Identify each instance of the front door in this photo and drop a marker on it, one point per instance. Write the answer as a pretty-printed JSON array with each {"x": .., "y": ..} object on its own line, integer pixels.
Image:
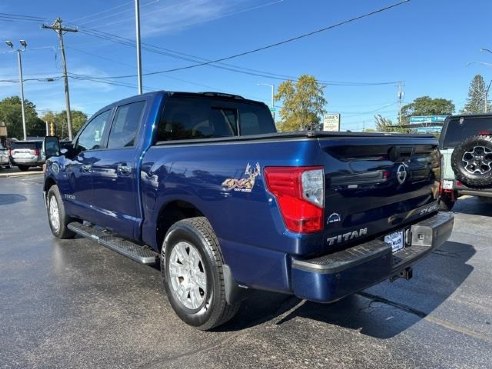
[
  {"x": 115, "y": 174},
  {"x": 88, "y": 146}
]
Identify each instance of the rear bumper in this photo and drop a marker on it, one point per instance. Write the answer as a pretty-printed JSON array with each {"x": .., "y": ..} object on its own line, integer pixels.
[
  {"x": 27, "y": 162},
  {"x": 331, "y": 277}
]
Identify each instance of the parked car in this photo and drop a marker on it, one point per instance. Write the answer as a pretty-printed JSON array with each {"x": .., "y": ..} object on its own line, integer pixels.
[
  {"x": 466, "y": 147},
  {"x": 4, "y": 156},
  {"x": 203, "y": 184},
  {"x": 26, "y": 154}
]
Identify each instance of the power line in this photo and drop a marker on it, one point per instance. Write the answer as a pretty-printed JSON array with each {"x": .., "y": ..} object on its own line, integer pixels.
[
  {"x": 224, "y": 66},
  {"x": 116, "y": 14},
  {"x": 98, "y": 13},
  {"x": 20, "y": 17},
  {"x": 292, "y": 39}
]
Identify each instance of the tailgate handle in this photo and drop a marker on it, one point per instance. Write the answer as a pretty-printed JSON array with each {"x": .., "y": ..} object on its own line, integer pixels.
[{"x": 401, "y": 153}]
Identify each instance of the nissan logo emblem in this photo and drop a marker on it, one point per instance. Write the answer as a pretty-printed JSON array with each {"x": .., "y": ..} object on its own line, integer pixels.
[{"x": 401, "y": 173}]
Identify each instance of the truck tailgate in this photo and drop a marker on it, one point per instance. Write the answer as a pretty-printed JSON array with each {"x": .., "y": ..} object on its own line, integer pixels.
[{"x": 377, "y": 185}]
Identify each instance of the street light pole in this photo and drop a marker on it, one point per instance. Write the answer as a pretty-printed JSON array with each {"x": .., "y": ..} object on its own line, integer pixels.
[
  {"x": 272, "y": 108},
  {"x": 21, "y": 82},
  {"x": 273, "y": 92},
  {"x": 139, "y": 48}
]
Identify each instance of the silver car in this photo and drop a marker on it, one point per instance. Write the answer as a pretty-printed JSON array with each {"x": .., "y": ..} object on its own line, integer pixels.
[
  {"x": 26, "y": 154},
  {"x": 4, "y": 156}
]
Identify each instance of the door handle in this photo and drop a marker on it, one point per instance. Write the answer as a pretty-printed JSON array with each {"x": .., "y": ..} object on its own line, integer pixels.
[
  {"x": 86, "y": 168},
  {"x": 124, "y": 169}
]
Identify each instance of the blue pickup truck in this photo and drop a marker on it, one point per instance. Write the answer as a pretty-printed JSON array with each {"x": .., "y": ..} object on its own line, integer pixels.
[{"x": 204, "y": 185}]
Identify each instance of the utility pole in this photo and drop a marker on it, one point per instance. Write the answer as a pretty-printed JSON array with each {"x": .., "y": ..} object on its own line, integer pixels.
[
  {"x": 400, "y": 99},
  {"x": 60, "y": 30},
  {"x": 486, "y": 102}
]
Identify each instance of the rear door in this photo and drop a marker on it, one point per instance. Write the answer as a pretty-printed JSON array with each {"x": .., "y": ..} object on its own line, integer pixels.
[{"x": 115, "y": 172}]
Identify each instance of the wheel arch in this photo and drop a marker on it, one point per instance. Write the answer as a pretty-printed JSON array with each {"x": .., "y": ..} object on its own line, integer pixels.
[
  {"x": 171, "y": 213},
  {"x": 48, "y": 183}
]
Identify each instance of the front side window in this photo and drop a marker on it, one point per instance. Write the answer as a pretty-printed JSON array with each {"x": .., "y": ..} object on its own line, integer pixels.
[
  {"x": 125, "y": 125},
  {"x": 91, "y": 136}
]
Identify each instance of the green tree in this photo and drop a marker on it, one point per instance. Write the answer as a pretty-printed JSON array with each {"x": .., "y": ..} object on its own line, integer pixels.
[
  {"x": 303, "y": 103},
  {"x": 477, "y": 95},
  {"x": 60, "y": 121},
  {"x": 386, "y": 125},
  {"x": 426, "y": 105},
  {"x": 11, "y": 114}
]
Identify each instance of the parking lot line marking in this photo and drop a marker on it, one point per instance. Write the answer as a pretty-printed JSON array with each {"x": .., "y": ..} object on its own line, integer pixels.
[
  {"x": 456, "y": 328},
  {"x": 427, "y": 317}
]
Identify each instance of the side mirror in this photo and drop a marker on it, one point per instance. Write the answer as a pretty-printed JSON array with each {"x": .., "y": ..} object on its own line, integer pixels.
[{"x": 51, "y": 146}]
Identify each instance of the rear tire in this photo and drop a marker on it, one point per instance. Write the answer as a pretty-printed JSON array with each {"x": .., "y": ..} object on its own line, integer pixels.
[
  {"x": 57, "y": 216},
  {"x": 192, "y": 273},
  {"x": 23, "y": 168}
]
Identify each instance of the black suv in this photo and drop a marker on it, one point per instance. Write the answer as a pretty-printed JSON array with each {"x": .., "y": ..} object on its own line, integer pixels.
[{"x": 466, "y": 147}]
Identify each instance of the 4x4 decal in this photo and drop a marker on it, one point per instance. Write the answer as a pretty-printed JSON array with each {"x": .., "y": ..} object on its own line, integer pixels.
[{"x": 244, "y": 184}]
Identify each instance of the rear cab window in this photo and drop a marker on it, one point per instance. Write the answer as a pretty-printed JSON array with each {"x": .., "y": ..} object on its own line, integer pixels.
[
  {"x": 187, "y": 117},
  {"x": 461, "y": 128},
  {"x": 31, "y": 145}
]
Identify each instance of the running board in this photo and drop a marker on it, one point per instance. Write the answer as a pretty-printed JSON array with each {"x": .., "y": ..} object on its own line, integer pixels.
[{"x": 138, "y": 253}]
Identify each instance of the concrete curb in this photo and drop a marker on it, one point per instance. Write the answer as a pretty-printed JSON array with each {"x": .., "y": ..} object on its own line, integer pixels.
[{"x": 19, "y": 174}]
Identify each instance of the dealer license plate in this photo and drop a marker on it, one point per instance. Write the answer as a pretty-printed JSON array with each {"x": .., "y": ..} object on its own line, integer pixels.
[
  {"x": 395, "y": 240},
  {"x": 447, "y": 185}
]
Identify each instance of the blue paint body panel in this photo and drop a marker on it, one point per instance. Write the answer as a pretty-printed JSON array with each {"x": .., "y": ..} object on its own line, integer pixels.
[{"x": 361, "y": 189}]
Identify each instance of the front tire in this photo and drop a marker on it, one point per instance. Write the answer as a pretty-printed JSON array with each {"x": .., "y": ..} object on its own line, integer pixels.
[
  {"x": 192, "y": 272},
  {"x": 57, "y": 216}
]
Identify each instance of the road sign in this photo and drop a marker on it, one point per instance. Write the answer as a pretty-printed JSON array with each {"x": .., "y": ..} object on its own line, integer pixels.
[
  {"x": 431, "y": 129},
  {"x": 331, "y": 122},
  {"x": 428, "y": 118},
  {"x": 273, "y": 110}
]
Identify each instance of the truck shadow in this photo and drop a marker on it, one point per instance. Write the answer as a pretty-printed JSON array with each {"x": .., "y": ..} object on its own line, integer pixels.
[
  {"x": 474, "y": 206},
  {"x": 382, "y": 311},
  {"x": 8, "y": 199}
]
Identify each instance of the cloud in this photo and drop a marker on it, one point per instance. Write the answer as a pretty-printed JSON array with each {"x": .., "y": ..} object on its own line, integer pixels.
[
  {"x": 176, "y": 17},
  {"x": 164, "y": 17}
]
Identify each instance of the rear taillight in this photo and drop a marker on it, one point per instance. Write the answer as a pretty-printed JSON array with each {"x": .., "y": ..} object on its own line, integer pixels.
[
  {"x": 37, "y": 152},
  {"x": 300, "y": 193}
]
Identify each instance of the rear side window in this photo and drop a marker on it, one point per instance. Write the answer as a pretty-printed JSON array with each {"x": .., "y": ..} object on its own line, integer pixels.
[
  {"x": 461, "y": 128},
  {"x": 125, "y": 125},
  {"x": 199, "y": 117},
  {"x": 27, "y": 145}
]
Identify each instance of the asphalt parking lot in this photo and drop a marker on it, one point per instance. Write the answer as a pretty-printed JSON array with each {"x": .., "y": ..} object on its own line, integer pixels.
[{"x": 75, "y": 304}]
